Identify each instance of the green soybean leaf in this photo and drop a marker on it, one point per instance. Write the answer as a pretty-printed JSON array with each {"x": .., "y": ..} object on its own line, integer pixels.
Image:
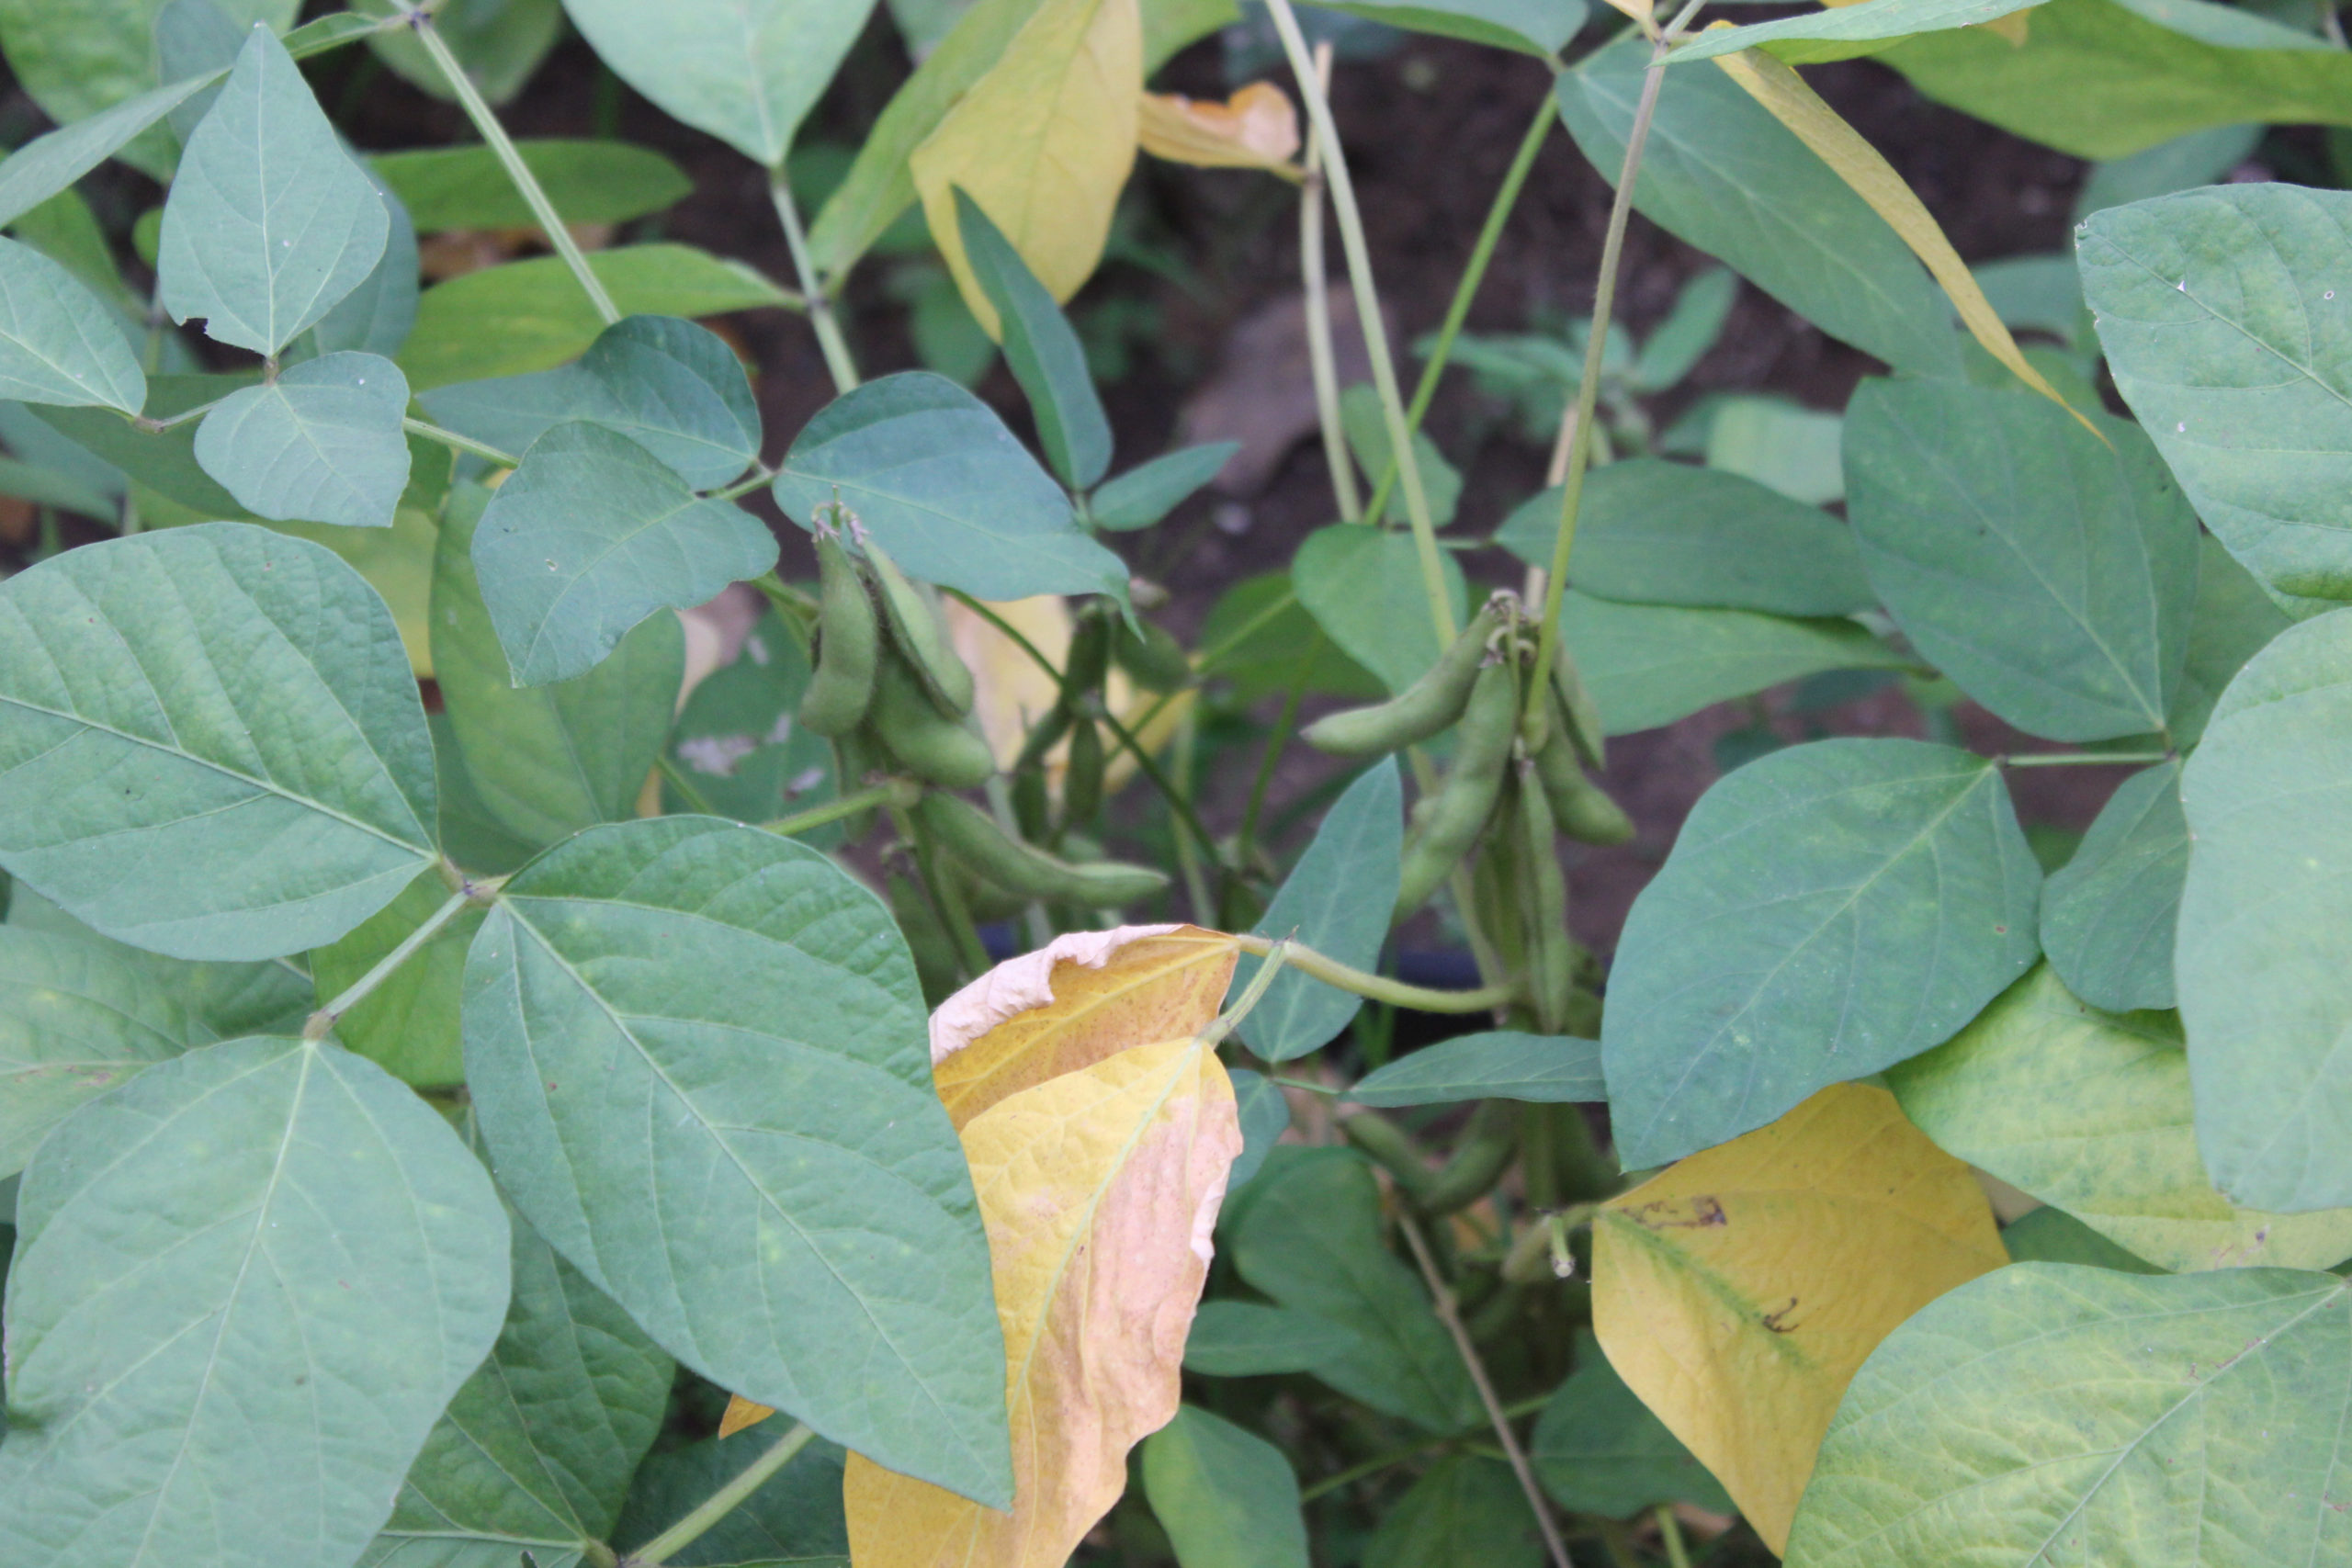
[
  {"x": 321, "y": 443},
  {"x": 1336, "y": 901},
  {"x": 247, "y": 1282},
  {"x": 195, "y": 38},
  {"x": 407, "y": 1024},
  {"x": 1265, "y": 1117},
  {"x": 592, "y": 535},
  {"x": 698, "y": 1053},
  {"x": 2090, "y": 1111},
  {"x": 590, "y": 182},
  {"x": 531, "y": 315},
  {"x": 1311, "y": 1239},
  {"x": 1650, "y": 532},
  {"x": 48, "y": 164},
  {"x": 794, "y": 1518},
  {"x": 934, "y": 475},
  {"x": 2265, "y": 991},
  {"x": 1227, "y": 1497},
  {"x": 671, "y": 387},
  {"x": 470, "y": 835},
  {"x": 499, "y": 43},
  {"x": 2198, "y": 158},
  {"x": 745, "y": 70},
  {"x": 46, "y": 487},
  {"x": 1041, "y": 350},
  {"x": 210, "y": 743},
  {"x": 1150, "y": 491},
  {"x": 535, "y": 1453},
  {"x": 2212, "y": 307},
  {"x": 2099, "y": 79},
  {"x": 1466, "y": 1512},
  {"x": 1541, "y": 27},
  {"x": 377, "y": 316},
  {"x": 738, "y": 744},
  {"x": 1258, "y": 641},
  {"x": 79, "y": 1014},
  {"x": 1647, "y": 665},
  {"x": 1366, "y": 426},
  {"x": 1829, "y": 910},
  {"x": 1721, "y": 174},
  {"x": 58, "y": 343},
  {"x": 2138, "y": 1417},
  {"x": 1244, "y": 1339},
  {"x": 1851, "y": 29},
  {"x": 2108, "y": 915},
  {"x": 1364, "y": 587},
  {"x": 160, "y": 460},
  {"x": 270, "y": 221},
  {"x": 1502, "y": 1063},
  {"x": 1598, "y": 1449},
  {"x": 2235, "y": 619},
  {"x": 2050, "y": 1235},
  {"x": 2050, "y": 573}
]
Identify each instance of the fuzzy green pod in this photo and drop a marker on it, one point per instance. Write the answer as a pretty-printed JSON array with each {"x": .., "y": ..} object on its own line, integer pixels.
[
  {"x": 1551, "y": 955},
  {"x": 1082, "y": 779},
  {"x": 1467, "y": 799},
  {"x": 848, "y": 643},
  {"x": 1087, "y": 662},
  {"x": 1030, "y": 809},
  {"x": 1421, "y": 709},
  {"x": 1155, "y": 660},
  {"x": 1478, "y": 1162},
  {"x": 972, "y": 837},
  {"x": 936, "y": 748},
  {"x": 1583, "y": 713},
  {"x": 1579, "y": 807},
  {"x": 918, "y": 631}
]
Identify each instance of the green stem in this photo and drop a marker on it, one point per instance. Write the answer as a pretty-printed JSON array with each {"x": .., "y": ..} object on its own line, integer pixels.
[
  {"x": 1481, "y": 254},
  {"x": 2083, "y": 758},
  {"x": 456, "y": 443},
  {"x": 813, "y": 291},
  {"x": 318, "y": 1025},
  {"x": 156, "y": 425},
  {"x": 1320, "y": 359},
  {"x": 971, "y": 954},
  {"x": 760, "y": 475},
  {"x": 471, "y": 99},
  {"x": 1230, "y": 1019},
  {"x": 1375, "y": 332},
  {"x": 1379, "y": 987},
  {"x": 688, "y": 789},
  {"x": 721, "y": 1503},
  {"x": 895, "y": 793},
  {"x": 1579, "y": 420},
  {"x": 1217, "y": 653},
  {"x": 1670, "y": 1530}
]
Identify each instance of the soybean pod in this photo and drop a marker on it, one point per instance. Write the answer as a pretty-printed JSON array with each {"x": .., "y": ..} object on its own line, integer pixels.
[
  {"x": 1421, "y": 709},
  {"x": 1467, "y": 799},
  {"x": 1478, "y": 1162},
  {"x": 934, "y": 748},
  {"x": 1551, "y": 956},
  {"x": 921, "y": 635},
  {"x": 1083, "y": 778},
  {"x": 848, "y": 639},
  {"x": 972, "y": 837},
  {"x": 1580, "y": 808}
]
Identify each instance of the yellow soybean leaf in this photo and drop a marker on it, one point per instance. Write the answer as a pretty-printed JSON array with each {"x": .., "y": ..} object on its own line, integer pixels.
[
  {"x": 1043, "y": 142},
  {"x": 1070, "y": 1004},
  {"x": 1100, "y": 1189},
  {"x": 1255, "y": 129},
  {"x": 742, "y": 1413},
  {"x": 1737, "y": 1293},
  {"x": 1780, "y": 89}
]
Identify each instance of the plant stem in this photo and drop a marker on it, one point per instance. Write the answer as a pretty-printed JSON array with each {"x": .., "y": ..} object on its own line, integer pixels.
[
  {"x": 819, "y": 301},
  {"x": 319, "y": 1023},
  {"x": 1230, "y": 1019},
  {"x": 1670, "y": 1530},
  {"x": 1376, "y": 330},
  {"x": 1319, "y": 357},
  {"x": 721, "y": 1503},
  {"x": 1216, "y": 654},
  {"x": 896, "y": 794},
  {"x": 156, "y": 425},
  {"x": 688, "y": 789},
  {"x": 1379, "y": 987},
  {"x": 1579, "y": 417},
  {"x": 2083, "y": 758},
  {"x": 469, "y": 97},
  {"x": 1442, "y": 1299},
  {"x": 456, "y": 443},
  {"x": 971, "y": 954},
  {"x": 761, "y": 474},
  {"x": 1473, "y": 274}
]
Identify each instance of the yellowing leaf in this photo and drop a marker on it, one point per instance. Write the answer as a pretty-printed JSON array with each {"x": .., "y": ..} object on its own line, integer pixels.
[
  {"x": 1737, "y": 1293},
  {"x": 1070, "y": 1004},
  {"x": 1043, "y": 142},
  {"x": 1780, "y": 89},
  {"x": 2015, "y": 27},
  {"x": 1013, "y": 692},
  {"x": 742, "y": 1413},
  {"x": 1100, "y": 1189},
  {"x": 1255, "y": 129}
]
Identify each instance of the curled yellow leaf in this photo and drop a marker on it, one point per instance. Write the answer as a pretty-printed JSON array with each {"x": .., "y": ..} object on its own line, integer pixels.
[
  {"x": 1043, "y": 143},
  {"x": 1100, "y": 1189},
  {"x": 1738, "y": 1292},
  {"x": 1073, "y": 1002},
  {"x": 1254, "y": 128},
  {"x": 1778, "y": 88}
]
